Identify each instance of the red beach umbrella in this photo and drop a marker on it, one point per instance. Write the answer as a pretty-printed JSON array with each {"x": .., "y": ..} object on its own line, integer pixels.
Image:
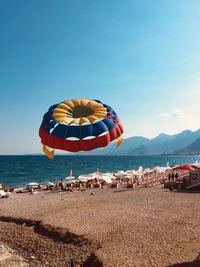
[{"x": 186, "y": 167}]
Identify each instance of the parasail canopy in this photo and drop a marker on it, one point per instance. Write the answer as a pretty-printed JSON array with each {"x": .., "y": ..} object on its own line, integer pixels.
[{"x": 79, "y": 125}]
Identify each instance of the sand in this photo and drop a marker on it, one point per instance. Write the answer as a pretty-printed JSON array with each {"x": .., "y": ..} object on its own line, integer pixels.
[{"x": 111, "y": 227}]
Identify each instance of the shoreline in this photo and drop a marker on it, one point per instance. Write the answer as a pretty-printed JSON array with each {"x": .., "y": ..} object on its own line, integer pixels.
[
  {"x": 112, "y": 227},
  {"x": 43, "y": 170}
]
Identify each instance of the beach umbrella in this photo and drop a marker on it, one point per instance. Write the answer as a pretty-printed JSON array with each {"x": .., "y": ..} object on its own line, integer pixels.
[
  {"x": 69, "y": 178},
  {"x": 50, "y": 184},
  {"x": 140, "y": 169},
  {"x": 79, "y": 125},
  {"x": 158, "y": 169},
  {"x": 32, "y": 184},
  {"x": 106, "y": 179},
  {"x": 84, "y": 178},
  {"x": 186, "y": 167}
]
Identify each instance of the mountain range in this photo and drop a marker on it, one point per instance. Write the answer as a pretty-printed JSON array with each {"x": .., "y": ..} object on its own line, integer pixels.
[{"x": 186, "y": 142}]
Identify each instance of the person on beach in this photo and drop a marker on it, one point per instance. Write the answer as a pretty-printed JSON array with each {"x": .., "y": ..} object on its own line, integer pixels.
[
  {"x": 171, "y": 183},
  {"x": 83, "y": 190},
  {"x": 169, "y": 177},
  {"x": 176, "y": 176},
  {"x": 11, "y": 189},
  {"x": 171, "y": 187}
]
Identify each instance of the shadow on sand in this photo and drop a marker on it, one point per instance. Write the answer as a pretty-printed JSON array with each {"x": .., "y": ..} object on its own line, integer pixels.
[
  {"x": 195, "y": 263},
  {"x": 123, "y": 190},
  {"x": 187, "y": 192},
  {"x": 186, "y": 264}
]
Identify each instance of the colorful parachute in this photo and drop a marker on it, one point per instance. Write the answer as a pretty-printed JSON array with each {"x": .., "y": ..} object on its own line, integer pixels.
[{"x": 79, "y": 125}]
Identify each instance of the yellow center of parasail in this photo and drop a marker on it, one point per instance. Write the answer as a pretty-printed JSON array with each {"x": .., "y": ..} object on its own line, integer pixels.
[{"x": 79, "y": 111}]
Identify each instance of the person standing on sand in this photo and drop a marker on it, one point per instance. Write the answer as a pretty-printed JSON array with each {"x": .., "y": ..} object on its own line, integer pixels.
[
  {"x": 171, "y": 184},
  {"x": 169, "y": 177},
  {"x": 176, "y": 176},
  {"x": 171, "y": 187}
]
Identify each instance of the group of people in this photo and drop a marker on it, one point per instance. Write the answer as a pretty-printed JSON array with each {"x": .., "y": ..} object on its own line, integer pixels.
[
  {"x": 172, "y": 177},
  {"x": 145, "y": 179}
]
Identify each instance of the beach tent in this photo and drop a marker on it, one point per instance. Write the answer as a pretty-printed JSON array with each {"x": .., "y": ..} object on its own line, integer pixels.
[
  {"x": 193, "y": 180},
  {"x": 186, "y": 167}
]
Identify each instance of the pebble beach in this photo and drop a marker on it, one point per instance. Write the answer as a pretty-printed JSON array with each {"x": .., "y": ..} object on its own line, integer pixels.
[{"x": 109, "y": 227}]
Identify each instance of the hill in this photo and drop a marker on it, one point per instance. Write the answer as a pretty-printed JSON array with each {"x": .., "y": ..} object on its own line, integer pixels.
[
  {"x": 182, "y": 143},
  {"x": 194, "y": 148}
]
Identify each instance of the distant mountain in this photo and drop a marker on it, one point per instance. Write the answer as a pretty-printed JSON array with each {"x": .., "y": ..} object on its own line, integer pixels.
[
  {"x": 184, "y": 139},
  {"x": 194, "y": 148},
  {"x": 154, "y": 146},
  {"x": 161, "y": 138},
  {"x": 126, "y": 148},
  {"x": 129, "y": 145},
  {"x": 161, "y": 144},
  {"x": 166, "y": 144},
  {"x": 186, "y": 142}
]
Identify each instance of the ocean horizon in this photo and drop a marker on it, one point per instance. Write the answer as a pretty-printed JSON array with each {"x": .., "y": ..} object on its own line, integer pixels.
[{"x": 18, "y": 170}]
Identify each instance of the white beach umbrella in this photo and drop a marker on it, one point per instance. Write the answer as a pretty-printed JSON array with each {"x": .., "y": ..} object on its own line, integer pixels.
[
  {"x": 50, "y": 183},
  {"x": 32, "y": 184},
  {"x": 69, "y": 178},
  {"x": 74, "y": 181},
  {"x": 121, "y": 172},
  {"x": 106, "y": 179},
  {"x": 157, "y": 169},
  {"x": 84, "y": 177},
  {"x": 140, "y": 169}
]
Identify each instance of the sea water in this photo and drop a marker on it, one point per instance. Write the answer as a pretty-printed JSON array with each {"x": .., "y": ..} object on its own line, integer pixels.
[{"x": 19, "y": 170}]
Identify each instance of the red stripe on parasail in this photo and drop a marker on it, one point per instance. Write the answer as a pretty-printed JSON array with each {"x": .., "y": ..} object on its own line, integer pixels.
[{"x": 80, "y": 145}]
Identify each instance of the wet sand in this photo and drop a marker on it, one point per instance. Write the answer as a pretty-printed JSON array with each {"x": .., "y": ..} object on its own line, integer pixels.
[{"x": 113, "y": 227}]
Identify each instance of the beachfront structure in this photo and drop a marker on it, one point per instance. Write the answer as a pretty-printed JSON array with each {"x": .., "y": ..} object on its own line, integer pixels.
[{"x": 189, "y": 174}]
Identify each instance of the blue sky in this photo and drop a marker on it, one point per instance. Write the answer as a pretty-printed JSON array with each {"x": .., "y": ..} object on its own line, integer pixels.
[{"x": 140, "y": 57}]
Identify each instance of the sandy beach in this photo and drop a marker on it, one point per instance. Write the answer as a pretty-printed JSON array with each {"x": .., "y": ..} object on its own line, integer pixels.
[{"x": 111, "y": 227}]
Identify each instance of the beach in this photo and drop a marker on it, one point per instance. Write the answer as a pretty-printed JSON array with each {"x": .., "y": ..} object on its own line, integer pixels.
[
  {"x": 100, "y": 135},
  {"x": 109, "y": 227}
]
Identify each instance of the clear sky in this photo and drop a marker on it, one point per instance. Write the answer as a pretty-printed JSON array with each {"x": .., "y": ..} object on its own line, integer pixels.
[{"x": 140, "y": 57}]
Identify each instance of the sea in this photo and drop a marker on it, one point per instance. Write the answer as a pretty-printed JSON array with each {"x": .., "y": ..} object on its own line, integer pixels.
[{"x": 17, "y": 171}]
